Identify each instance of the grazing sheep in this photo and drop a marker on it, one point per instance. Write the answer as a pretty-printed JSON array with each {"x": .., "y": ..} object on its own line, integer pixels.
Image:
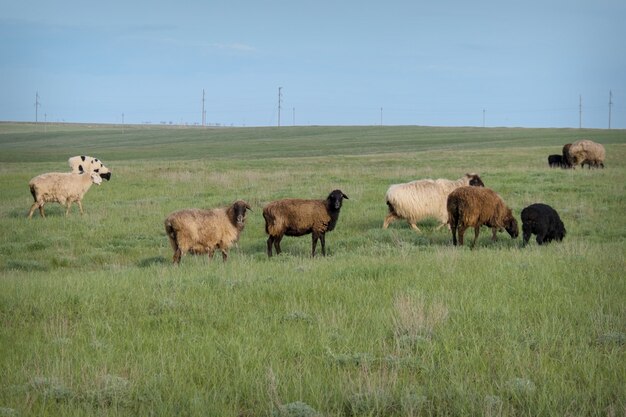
[
  {"x": 587, "y": 152},
  {"x": 297, "y": 217},
  {"x": 203, "y": 231},
  {"x": 417, "y": 200},
  {"x": 60, "y": 187},
  {"x": 555, "y": 161},
  {"x": 543, "y": 221},
  {"x": 84, "y": 163},
  {"x": 567, "y": 162},
  {"x": 476, "y": 206}
]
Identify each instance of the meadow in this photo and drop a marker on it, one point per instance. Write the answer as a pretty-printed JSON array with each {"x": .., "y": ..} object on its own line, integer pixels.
[{"x": 96, "y": 321}]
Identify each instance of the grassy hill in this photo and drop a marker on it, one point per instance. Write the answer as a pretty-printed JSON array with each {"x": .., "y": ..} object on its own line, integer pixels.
[{"x": 96, "y": 320}]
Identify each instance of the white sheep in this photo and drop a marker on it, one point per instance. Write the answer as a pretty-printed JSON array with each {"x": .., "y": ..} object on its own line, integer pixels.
[
  {"x": 83, "y": 163},
  {"x": 60, "y": 187},
  {"x": 417, "y": 200},
  {"x": 203, "y": 231}
]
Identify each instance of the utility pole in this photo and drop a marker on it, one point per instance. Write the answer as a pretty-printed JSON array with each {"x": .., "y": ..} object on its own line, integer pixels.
[
  {"x": 294, "y": 116},
  {"x": 381, "y": 116},
  {"x": 483, "y": 117},
  {"x": 203, "y": 111},
  {"x": 280, "y": 96},
  {"x": 37, "y": 105},
  {"x": 580, "y": 111},
  {"x": 610, "y": 105},
  {"x": 122, "y": 123}
]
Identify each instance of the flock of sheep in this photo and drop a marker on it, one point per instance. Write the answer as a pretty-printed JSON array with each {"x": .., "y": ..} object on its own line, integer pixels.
[
  {"x": 459, "y": 204},
  {"x": 581, "y": 152}
]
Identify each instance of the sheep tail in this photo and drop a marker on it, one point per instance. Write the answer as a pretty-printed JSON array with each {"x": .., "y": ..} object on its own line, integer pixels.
[
  {"x": 32, "y": 191},
  {"x": 171, "y": 233}
]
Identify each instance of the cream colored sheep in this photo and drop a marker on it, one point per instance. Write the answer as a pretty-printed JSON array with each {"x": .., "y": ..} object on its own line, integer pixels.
[
  {"x": 60, "y": 187},
  {"x": 83, "y": 163},
  {"x": 417, "y": 200},
  {"x": 203, "y": 231},
  {"x": 588, "y": 152}
]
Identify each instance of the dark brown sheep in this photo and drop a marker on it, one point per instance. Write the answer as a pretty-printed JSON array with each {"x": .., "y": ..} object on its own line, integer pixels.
[
  {"x": 478, "y": 206},
  {"x": 297, "y": 217}
]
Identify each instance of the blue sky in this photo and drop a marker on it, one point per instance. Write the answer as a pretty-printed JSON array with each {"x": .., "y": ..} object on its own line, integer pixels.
[{"x": 338, "y": 62}]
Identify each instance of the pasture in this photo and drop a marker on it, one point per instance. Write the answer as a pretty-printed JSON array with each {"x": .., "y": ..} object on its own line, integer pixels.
[{"x": 96, "y": 321}]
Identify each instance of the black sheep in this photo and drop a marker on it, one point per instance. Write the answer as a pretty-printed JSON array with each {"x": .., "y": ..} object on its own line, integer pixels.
[
  {"x": 543, "y": 221},
  {"x": 555, "y": 161}
]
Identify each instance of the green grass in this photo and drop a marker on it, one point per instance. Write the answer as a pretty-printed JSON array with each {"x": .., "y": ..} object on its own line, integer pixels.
[{"x": 96, "y": 321}]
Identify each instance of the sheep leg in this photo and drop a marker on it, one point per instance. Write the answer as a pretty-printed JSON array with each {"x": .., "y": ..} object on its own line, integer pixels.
[
  {"x": 277, "y": 240},
  {"x": 33, "y": 208},
  {"x": 177, "y": 255},
  {"x": 80, "y": 206},
  {"x": 461, "y": 233},
  {"x": 270, "y": 242},
  {"x": 67, "y": 208},
  {"x": 41, "y": 209},
  {"x": 391, "y": 217},
  {"x": 527, "y": 233},
  {"x": 476, "y": 233},
  {"x": 414, "y": 226},
  {"x": 323, "y": 241},
  {"x": 494, "y": 232},
  {"x": 453, "y": 229},
  {"x": 224, "y": 255},
  {"x": 314, "y": 238}
]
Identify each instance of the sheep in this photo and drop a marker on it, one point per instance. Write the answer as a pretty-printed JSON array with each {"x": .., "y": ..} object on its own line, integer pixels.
[
  {"x": 474, "y": 207},
  {"x": 556, "y": 161},
  {"x": 85, "y": 163},
  {"x": 587, "y": 152},
  {"x": 60, "y": 187},
  {"x": 298, "y": 217},
  {"x": 417, "y": 200},
  {"x": 203, "y": 231},
  {"x": 543, "y": 221},
  {"x": 567, "y": 162}
]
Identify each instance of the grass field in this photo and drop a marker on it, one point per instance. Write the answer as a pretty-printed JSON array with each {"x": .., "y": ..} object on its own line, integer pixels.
[{"x": 95, "y": 320}]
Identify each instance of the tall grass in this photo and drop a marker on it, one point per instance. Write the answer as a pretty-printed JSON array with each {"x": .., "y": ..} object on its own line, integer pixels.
[{"x": 96, "y": 320}]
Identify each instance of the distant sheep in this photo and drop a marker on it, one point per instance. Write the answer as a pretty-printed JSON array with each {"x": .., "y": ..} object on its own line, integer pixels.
[
  {"x": 297, "y": 217},
  {"x": 420, "y": 199},
  {"x": 83, "y": 163},
  {"x": 475, "y": 207},
  {"x": 586, "y": 152},
  {"x": 567, "y": 162},
  {"x": 60, "y": 187},
  {"x": 203, "y": 231},
  {"x": 543, "y": 221},
  {"x": 556, "y": 161}
]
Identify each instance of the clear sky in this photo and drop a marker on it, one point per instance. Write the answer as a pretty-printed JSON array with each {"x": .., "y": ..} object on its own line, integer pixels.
[{"x": 340, "y": 62}]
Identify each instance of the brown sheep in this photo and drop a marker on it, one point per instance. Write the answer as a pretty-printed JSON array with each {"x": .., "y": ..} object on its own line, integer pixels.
[
  {"x": 297, "y": 217},
  {"x": 203, "y": 231},
  {"x": 477, "y": 206},
  {"x": 587, "y": 152}
]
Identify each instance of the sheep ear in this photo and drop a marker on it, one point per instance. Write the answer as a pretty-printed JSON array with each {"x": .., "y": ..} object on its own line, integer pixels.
[
  {"x": 345, "y": 196},
  {"x": 248, "y": 207}
]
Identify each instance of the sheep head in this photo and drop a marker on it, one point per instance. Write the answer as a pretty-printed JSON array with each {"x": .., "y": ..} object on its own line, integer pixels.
[
  {"x": 510, "y": 224},
  {"x": 95, "y": 178},
  {"x": 474, "y": 180},
  {"x": 334, "y": 199},
  {"x": 238, "y": 213}
]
